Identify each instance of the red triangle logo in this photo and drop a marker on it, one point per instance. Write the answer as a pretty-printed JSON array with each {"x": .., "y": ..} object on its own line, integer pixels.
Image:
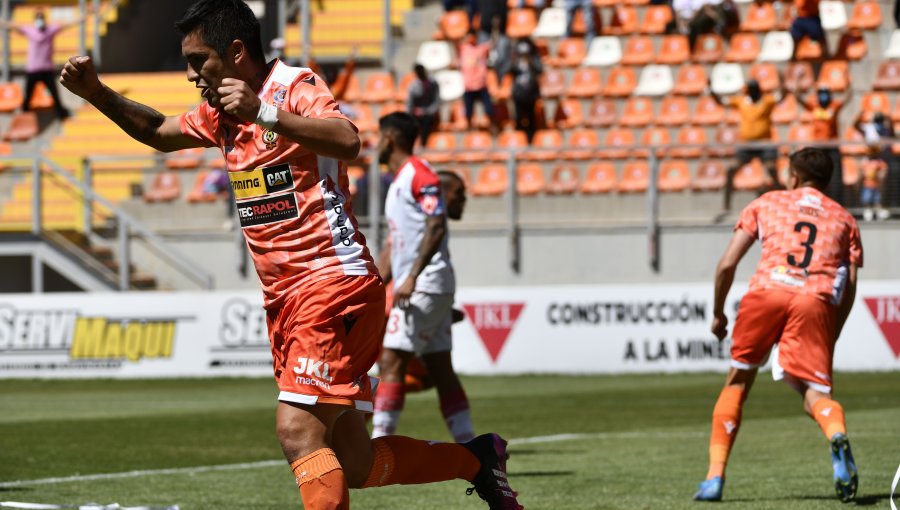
[
  {"x": 886, "y": 312},
  {"x": 494, "y": 322}
]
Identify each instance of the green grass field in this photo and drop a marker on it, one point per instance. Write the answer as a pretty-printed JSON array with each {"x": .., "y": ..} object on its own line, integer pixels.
[{"x": 638, "y": 442}]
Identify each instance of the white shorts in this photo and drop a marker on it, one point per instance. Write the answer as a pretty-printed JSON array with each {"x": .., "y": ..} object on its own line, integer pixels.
[{"x": 424, "y": 327}]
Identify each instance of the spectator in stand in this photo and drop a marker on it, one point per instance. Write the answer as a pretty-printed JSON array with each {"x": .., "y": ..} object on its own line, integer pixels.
[
  {"x": 807, "y": 23},
  {"x": 492, "y": 12},
  {"x": 587, "y": 9},
  {"x": 501, "y": 54},
  {"x": 825, "y": 110},
  {"x": 424, "y": 102},
  {"x": 471, "y": 6},
  {"x": 695, "y": 17},
  {"x": 526, "y": 70},
  {"x": 876, "y": 165},
  {"x": 473, "y": 57},
  {"x": 755, "y": 110}
]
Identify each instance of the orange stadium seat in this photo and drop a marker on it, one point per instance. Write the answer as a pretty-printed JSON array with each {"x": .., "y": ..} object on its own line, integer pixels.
[
  {"x": 569, "y": 114},
  {"x": 492, "y": 180},
  {"x": 621, "y": 82},
  {"x": 600, "y": 178},
  {"x": 851, "y": 46},
  {"x": 166, "y": 187},
  {"x": 624, "y": 21},
  {"x": 569, "y": 53},
  {"x": 41, "y": 98},
  {"x": 743, "y": 48},
  {"x": 579, "y": 27},
  {"x": 656, "y": 17},
  {"x": 583, "y": 143},
  {"x": 710, "y": 176},
  {"x": 23, "y": 127},
  {"x": 799, "y": 76},
  {"x": 585, "y": 83},
  {"x": 673, "y": 50},
  {"x": 873, "y": 102},
  {"x": 403, "y": 89},
  {"x": 454, "y": 25},
  {"x": 637, "y": 2},
  {"x": 688, "y": 139},
  {"x": 530, "y": 179},
  {"x": 858, "y": 148},
  {"x": 674, "y": 176},
  {"x": 545, "y": 145},
  {"x": 502, "y": 90},
  {"x": 601, "y": 114},
  {"x": 379, "y": 88},
  {"x": 800, "y": 133},
  {"x": 564, "y": 180},
  {"x": 708, "y": 112},
  {"x": 638, "y": 112},
  {"x": 635, "y": 177},
  {"x": 185, "y": 159},
  {"x": 439, "y": 146},
  {"x": 759, "y": 17},
  {"x": 10, "y": 97},
  {"x": 786, "y": 111},
  {"x": 638, "y": 50},
  {"x": 353, "y": 92},
  {"x": 866, "y": 16},
  {"x": 509, "y": 141},
  {"x": 751, "y": 176},
  {"x": 850, "y": 171},
  {"x": 654, "y": 137},
  {"x": 888, "y": 77},
  {"x": 198, "y": 193},
  {"x": 477, "y": 145},
  {"x": 691, "y": 80},
  {"x": 834, "y": 75},
  {"x": 708, "y": 49},
  {"x": 364, "y": 120},
  {"x": 616, "y": 138},
  {"x": 766, "y": 74},
  {"x": 456, "y": 120},
  {"x": 895, "y": 116},
  {"x": 726, "y": 138},
  {"x": 520, "y": 23},
  {"x": 553, "y": 83},
  {"x": 808, "y": 49},
  {"x": 674, "y": 111}
]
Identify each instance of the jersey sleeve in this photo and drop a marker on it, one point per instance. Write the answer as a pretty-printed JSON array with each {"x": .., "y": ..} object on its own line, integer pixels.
[
  {"x": 854, "y": 248},
  {"x": 426, "y": 193},
  {"x": 749, "y": 220},
  {"x": 310, "y": 97},
  {"x": 199, "y": 125}
]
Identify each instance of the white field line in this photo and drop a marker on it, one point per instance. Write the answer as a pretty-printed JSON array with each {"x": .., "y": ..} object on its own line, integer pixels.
[{"x": 269, "y": 463}]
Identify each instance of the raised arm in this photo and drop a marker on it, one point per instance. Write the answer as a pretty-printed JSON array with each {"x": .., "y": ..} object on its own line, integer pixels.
[{"x": 737, "y": 248}]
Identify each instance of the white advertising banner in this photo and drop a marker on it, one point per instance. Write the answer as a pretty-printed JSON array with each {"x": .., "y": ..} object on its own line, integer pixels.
[{"x": 507, "y": 330}]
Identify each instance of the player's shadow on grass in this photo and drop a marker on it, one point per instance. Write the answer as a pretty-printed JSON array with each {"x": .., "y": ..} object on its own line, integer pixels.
[
  {"x": 867, "y": 500},
  {"x": 541, "y": 473}
]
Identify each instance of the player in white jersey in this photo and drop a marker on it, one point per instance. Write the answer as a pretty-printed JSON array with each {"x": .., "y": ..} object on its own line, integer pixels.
[{"x": 417, "y": 258}]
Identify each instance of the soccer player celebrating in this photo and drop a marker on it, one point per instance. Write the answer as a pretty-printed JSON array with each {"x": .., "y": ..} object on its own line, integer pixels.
[
  {"x": 323, "y": 297},
  {"x": 799, "y": 298},
  {"x": 418, "y": 260}
]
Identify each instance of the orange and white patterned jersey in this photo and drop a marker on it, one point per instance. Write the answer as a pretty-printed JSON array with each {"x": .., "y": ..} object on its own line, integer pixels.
[
  {"x": 808, "y": 240},
  {"x": 295, "y": 216}
]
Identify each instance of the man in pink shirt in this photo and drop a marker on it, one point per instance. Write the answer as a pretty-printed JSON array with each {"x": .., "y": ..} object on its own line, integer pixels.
[{"x": 473, "y": 58}]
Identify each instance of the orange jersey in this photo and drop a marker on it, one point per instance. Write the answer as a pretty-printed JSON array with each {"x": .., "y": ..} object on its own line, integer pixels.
[
  {"x": 295, "y": 216},
  {"x": 807, "y": 242}
]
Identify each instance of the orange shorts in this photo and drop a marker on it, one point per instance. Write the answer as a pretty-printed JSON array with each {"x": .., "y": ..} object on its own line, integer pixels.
[
  {"x": 802, "y": 325},
  {"x": 326, "y": 338}
]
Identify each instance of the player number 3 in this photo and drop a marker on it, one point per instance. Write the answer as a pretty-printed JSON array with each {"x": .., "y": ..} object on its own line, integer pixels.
[{"x": 808, "y": 244}]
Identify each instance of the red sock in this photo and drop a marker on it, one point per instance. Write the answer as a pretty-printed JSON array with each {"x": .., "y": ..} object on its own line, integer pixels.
[
  {"x": 406, "y": 461},
  {"x": 321, "y": 480},
  {"x": 389, "y": 402},
  {"x": 830, "y": 416},
  {"x": 726, "y": 421},
  {"x": 455, "y": 409}
]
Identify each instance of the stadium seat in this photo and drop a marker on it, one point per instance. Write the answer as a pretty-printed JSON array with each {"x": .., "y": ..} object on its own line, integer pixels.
[
  {"x": 616, "y": 138},
  {"x": 673, "y": 50},
  {"x": 553, "y": 83},
  {"x": 743, "y": 48},
  {"x": 873, "y": 102},
  {"x": 808, "y": 49},
  {"x": 454, "y": 25},
  {"x": 186, "y": 159},
  {"x": 569, "y": 114},
  {"x": 620, "y": 83},
  {"x": 833, "y": 15},
  {"x": 857, "y": 147},
  {"x": 777, "y": 47},
  {"x": 599, "y": 178},
  {"x": 656, "y": 80},
  {"x": 799, "y": 76},
  {"x": 477, "y": 145},
  {"x": 520, "y": 23},
  {"x": 551, "y": 24},
  {"x": 800, "y": 134},
  {"x": 499, "y": 91},
  {"x": 834, "y": 75},
  {"x": 379, "y": 88},
  {"x": 759, "y": 17},
  {"x": 166, "y": 187},
  {"x": 710, "y": 176},
  {"x": 637, "y": 112},
  {"x": 23, "y": 127},
  {"x": 726, "y": 79},
  {"x": 10, "y": 97},
  {"x": 353, "y": 92},
  {"x": 708, "y": 49},
  {"x": 41, "y": 98},
  {"x": 624, "y": 21},
  {"x": 604, "y": 51},
  {"x": 708, "y": 112},
  {"x": 892, "y": 52},
  {"x": 435, "y": 55},
  {"x": 492, "y": 180},
  {"x": 691, "y": 80},
  {"x": 674, "y": 111},
  {"x": 510, "y": 141},
  {"x": 364, "y": 119},
  {"x": 750, "y": 177},
  {"x": 766, "y": 74},
  {"x": 866, "y": 15},
  {"x": 530, "y": 179},
  {"x": 545, "y": 146},
  {"x": 198, "y": 193},
  {"x": 654, "y": 137},
  {"x": 726, "y": 138},
  {"x": 450, "y": 83},
  {"x": 888, "y": 77},
  {"x": 439, "y": 146},
  {"x": 689, "y": 140},
  {"x": 786, "y": 111},
  {"x": 851, "y": 46},
  {"x": 656, "y": 18},
  {"x": 850, "y": 171},
  {"x": 403, "y": 89},
  {"x": 579, "y": 27},
  {"x": 674, "y": 176},
  {"x": 585, "y": 83},
  {"x": 582, "y": 143},
  {"x": 638, "y": 50},
  {"x": 570, "y": 52},
  {"x": 635, "y": 177},
  {"x": 564, "y": 180},
  {"x": 601, "y": 114}
]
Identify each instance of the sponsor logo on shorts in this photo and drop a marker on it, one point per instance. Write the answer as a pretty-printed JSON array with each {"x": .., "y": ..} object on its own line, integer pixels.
[
  {"x": 267, "y": 210},
  {"x": 494, "y": 322},
  {"x": 313, "y": 372},
  {"x": 261, "y": 181},
  {"x": 886, "y": 312}
]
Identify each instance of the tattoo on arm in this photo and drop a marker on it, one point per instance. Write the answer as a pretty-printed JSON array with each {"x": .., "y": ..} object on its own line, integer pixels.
[{"x": 139, "y": 121}]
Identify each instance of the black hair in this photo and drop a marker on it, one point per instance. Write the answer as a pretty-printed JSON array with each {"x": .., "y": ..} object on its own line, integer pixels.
[
  {"x": 221, "y": 22},
  {"x": 812, "y": 165},
  {"x": 405, "y": 126}
]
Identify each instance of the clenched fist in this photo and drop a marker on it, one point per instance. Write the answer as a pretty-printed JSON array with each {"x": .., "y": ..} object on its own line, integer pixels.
[
  {"x": 80, "y": 76},
  {"x": 237, "y": 99}
]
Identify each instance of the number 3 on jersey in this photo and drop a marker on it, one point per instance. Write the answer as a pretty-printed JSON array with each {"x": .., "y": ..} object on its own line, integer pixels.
[{"x": 811, "y": 231}]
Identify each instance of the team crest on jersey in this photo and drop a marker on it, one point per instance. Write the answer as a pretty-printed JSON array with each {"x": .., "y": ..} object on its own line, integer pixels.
[
  {"x": 279, "y": 96},
  {"x": 270, "y": 138}
]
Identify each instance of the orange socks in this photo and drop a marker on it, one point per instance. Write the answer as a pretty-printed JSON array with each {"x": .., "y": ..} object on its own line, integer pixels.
[
  {"x": 321, "y": 480},
  {"x": 726, "y": 421},
  {"x": 405, "y": 461},
  {"x": 830, "y": 417}
]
